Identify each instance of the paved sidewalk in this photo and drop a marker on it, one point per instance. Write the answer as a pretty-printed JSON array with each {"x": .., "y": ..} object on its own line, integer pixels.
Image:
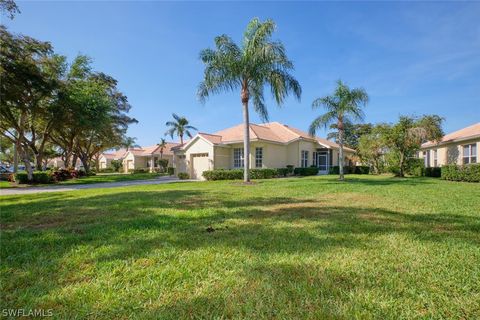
[{"x": 61, "y": 188}]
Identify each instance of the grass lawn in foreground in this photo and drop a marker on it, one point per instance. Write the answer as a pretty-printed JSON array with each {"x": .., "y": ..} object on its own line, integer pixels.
[
  {"x": 372, "y": 247},
  {"x": 99, "y": 178}
]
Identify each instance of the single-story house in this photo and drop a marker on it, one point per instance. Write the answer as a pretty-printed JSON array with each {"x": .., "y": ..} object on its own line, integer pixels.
[
  {"x": 105, "y": 159},
  {"x": 58, "y": 163},
  {"x": 272, "y": 145},
  {"x": 147, "y": 157},
  {"x": 459, "y": 147}
]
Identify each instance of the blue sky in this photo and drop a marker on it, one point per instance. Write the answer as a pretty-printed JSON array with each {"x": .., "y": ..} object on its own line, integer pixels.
[{"x": 412, "y": 58}]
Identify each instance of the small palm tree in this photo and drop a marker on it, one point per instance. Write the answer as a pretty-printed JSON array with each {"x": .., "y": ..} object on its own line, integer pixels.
[
  {"x": 162, "y": 145},
  {"x": 259, "y": 61},
  {"x": 130, "y": 142},
  {"x": 342, "y": 107},
  {"x": 180, "y": 127}
]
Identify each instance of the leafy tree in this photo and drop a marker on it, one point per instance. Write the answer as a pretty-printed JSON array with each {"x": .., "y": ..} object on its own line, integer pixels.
[
  {"x": 104, "y": 119},
  {"x": 352, "y": 133},
  {"x": 371, "y": 147},
  {"x": 404, "y": 138},
  {"x": 27, "y": 83},
  {"x": 180, "y": 126},
  {"x": 9, "y": 8},
  {"x": 256, "y": 63},
  {"x": 162, "y": 145},
  {"x": 7, "y": 150},
  {"x": 343, "y": 106},
  {"x": 130, "y": 143}
]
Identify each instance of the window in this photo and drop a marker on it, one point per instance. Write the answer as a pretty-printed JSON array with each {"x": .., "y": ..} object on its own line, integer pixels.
[
  {"x": 425, "y": 158},
  {"x": 238, "y": 159},
  {"x": 258, "y": 157},
  {"x": 435, "y": 158},
  {"x": 304, "y": 158},
  {"x": 314, "y": 154},
  {"x": 470, "y": 153}
]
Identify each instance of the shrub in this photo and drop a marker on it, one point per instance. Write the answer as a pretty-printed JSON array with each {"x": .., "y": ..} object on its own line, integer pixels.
[
  {"x": 362, "y": 170},
  {"x": 65, "y": 174},
  {"x": 263, "y": 173},
  {"x": 433, "y": 172},
  {"x": 163, "y": 163},
  {"x": 140, "y": 170},
  {"x": 415, "y": 167},
  {"x": 290, "y": 168},
  {"x": 171, "y": 171},
  {"x": 468, "y": 173},
  {"x": 349, "y": 170},
  {"x": 311, "y": 171},
  {"x": 38, "y": 177},
  {"x": 107, "y": 170},
  {"x": 223, "y": 174},
  {"x": 183, "y": 176},
  {"x": 116, "y": 165},
  {"x": 237, "y": 174},
  {"x": 283, "y": 172}
]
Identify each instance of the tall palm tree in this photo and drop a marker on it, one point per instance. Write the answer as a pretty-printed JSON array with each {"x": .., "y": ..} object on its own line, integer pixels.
[
  {"x": 345, "y": 105},
  {"x": 162, "y": 145},
  {"x": 257, "y": 62},
  {"x": 180, "y": 127},
  {"x": 129, "y": 143}
]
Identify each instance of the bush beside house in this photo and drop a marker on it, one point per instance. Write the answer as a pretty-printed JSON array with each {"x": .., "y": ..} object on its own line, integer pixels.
[
  {"x": 468, "y": 173},
  {"x": 267, "y": 173},
  {"x": 51, "y": 176}
]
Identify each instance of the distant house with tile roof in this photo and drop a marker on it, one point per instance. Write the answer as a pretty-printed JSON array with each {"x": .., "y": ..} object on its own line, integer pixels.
[
  {"x": 272, "y": 145},
  {"x": 459, "y": 147},
  {"x": 147, "y": 157}
]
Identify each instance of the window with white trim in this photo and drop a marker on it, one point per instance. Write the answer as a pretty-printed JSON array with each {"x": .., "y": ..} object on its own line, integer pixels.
[
  {"x": 258, "y": 157},
  {"x": 238, "y": 159},
  {"x": 435, "y": 158},
  {"x": 470, "y": 153},
  {"x": 304, "y": 158},
  {"x": 314, "y": 160}
]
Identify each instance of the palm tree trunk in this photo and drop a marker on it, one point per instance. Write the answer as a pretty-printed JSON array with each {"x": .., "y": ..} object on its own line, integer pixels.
[
  {"x": 340, "y": 157},
  {"x": 181, "y": 139},
  {"x": 246, "y": 142}
]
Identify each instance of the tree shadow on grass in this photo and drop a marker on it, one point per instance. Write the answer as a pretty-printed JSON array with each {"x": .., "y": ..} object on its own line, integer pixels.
[{"x": 133, "y": 225}]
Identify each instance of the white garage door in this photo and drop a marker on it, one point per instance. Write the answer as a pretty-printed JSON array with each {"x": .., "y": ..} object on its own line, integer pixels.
[{"x": 199, "y": 164}]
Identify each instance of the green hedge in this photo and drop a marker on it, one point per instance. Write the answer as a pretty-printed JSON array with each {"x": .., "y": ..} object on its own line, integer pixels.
[
  {"x": 350, "y": 170},
  {"x": 237, "y": 174},
  {"x": 434, "y": 172},
  {"x": 310, "y": 171},
  {"x": 468, "y": 173},
  {"x": 38, "y": 177},
  {"x": 183, "y": 176},
  {"x": 171, "y": 171}
]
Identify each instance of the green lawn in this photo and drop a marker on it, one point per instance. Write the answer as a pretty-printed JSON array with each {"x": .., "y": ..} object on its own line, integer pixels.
[
  {"x": 99, "y": 178},
  {"x": 373, "y": 247}
]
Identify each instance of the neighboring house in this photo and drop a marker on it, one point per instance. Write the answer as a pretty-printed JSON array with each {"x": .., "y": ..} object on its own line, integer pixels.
[
  {"x": 272, "y": 145},
  {"x": 105, "y": 159},
  {"x": 459, "y": 147},
  {"x": 58, "y": 163},
  {"x": 147, "y": 157}
]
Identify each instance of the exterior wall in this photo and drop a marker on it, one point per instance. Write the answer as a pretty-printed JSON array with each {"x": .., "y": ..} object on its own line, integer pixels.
[
  {"x": 451, "y": 153},
  {"x": 199, "y": 146},
  {"x": 104, "y": 162}
]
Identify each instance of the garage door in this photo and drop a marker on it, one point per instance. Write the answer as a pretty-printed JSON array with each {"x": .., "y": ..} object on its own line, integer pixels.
[{"x": 199, "y": 164}]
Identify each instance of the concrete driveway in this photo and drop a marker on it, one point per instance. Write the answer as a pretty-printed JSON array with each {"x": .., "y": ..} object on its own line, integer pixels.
[{"x": 29, "y": 190}]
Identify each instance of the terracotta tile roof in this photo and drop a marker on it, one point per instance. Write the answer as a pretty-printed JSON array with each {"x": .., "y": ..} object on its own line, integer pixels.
[
  {"x": 465, "y": 133},
  {"x": 273, "y": 131},
  {"x": 155, "y": 149}
]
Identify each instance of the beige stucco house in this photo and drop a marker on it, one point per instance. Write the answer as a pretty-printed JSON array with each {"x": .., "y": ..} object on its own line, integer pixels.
[
  {"x": 273, "y": 145},
  {"x": 147, "y": 157},
  {"x": 459, "y": 147},
  {"x": 105, "y": 159}
]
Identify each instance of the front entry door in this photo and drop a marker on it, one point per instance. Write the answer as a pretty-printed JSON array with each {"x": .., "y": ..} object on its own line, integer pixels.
[{"x": 323, "y": 162}]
